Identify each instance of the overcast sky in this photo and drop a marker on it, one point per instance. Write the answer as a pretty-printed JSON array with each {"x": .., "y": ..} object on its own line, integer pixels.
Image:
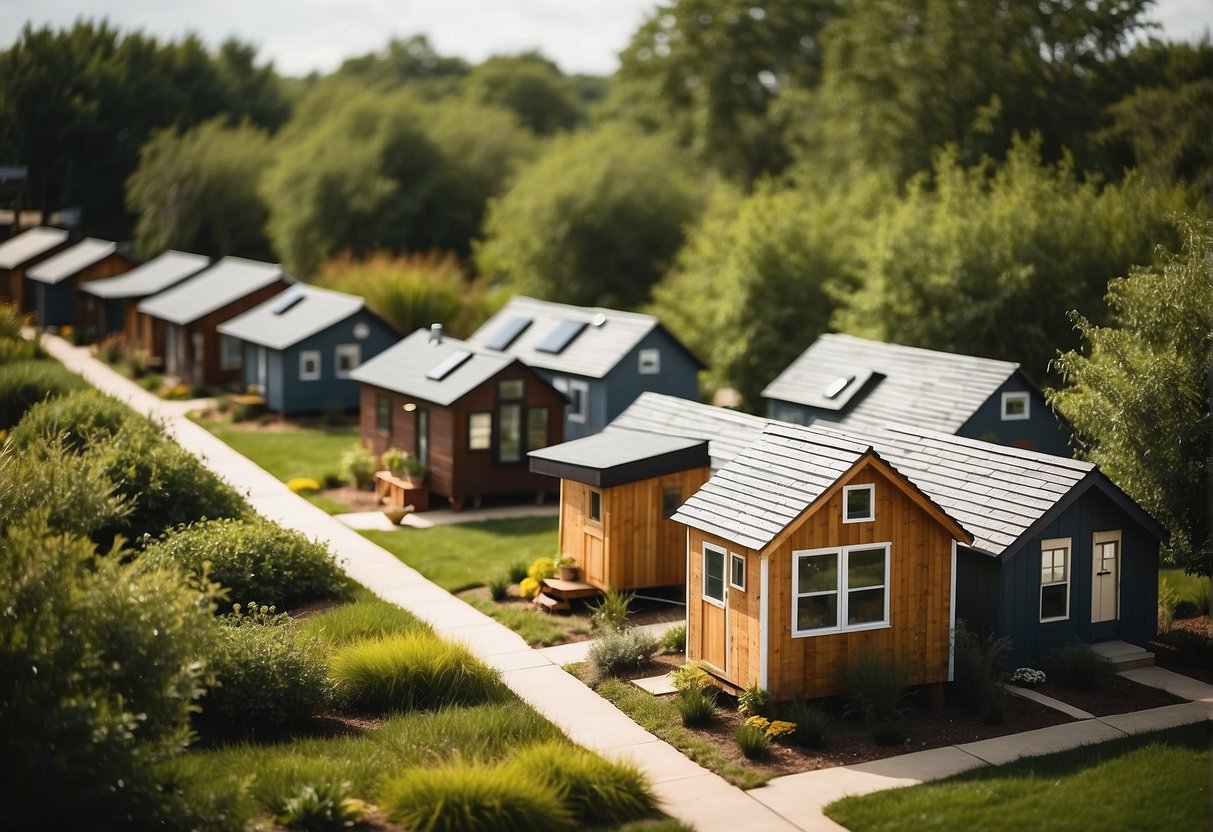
[{"x": 305, "y": 35}]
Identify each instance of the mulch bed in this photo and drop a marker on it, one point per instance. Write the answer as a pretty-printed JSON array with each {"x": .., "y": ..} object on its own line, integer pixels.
[
  {"x": 1117, "y": 696},
  {"x": 1168, "y": 657}
]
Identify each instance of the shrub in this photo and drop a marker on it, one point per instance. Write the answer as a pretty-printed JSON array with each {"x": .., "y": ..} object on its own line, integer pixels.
[
  {"x": 878, "y": 693},
  {"x": 10, "y": 322},
  {"x": 596, "y": 792},
  {"x": 1168, "y": 601},
  {"x": 269, "y": 675},
  {"x": 674, "y": 640},
  {"x": 152, "y": 382},
  {"x": 498, "y": 586},
  {"x": 359, "y": 466},
  {"x": 303, "y": 485},
  {"x": 619, "y": 651},
  {"x": 812, "y": 723},
  {"x": 517, "y": 572},
  {"x": 255, "y": 559},
  {"x": 541, "y": 569},
  {"x": 774, "y": 729},
  {"x": 411, "y": 672},
  {"x": 690, "y": 675},
  {"x": 611, "y": 613},
  {"x": 1028, "y": 677},
  {"x": 1077, "y": 666},
  {"x": 12, "y": 346},
  {"x": 753, "y": 700},
  {"x": 331, "y": 479},
  {"x": 466, "y": 796},
  {"x": 696, "y": 705},
  {"x": 83, "y": 418},
  {"x": 752, "y": 741},
  {"x": 528, "y": 588},
  {"x": 323, "y": 807},
  {"x": 979, "y": 672},
  {"x": 25, "y": 383},
  {"x": 393, "y": 459},
  {"x": 74, "y": 492},
  {"x": 1191, "y": 649}
]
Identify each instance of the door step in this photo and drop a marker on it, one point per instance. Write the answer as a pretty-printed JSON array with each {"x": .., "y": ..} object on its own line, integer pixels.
[
  {"x": 1123, "y": 656},
  {"x": 549, "y": 604}
]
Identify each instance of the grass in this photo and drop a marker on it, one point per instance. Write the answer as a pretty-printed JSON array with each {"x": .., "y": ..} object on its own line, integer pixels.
[
  {"x": 1191, "y": 588},
  {"x": 661, "y": 717},
  {"x": 463, "y": 556},
  {"x": 536, "y": 628},
  {"x": 1150, "y": 781},
  {"x": 366, "y": 617}
]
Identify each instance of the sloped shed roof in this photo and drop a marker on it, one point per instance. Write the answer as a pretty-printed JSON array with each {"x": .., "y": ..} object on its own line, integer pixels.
[
  {"x": 156, "y": 275},
  {"x": 28, "y": 245},
  {"x": 406, "y": 368},
  {"x": 615, "y": 456},
  {"x": 72, "y": 260},
  {"x": 225, "y": 282},
  {"x": 292, "y": 316}
]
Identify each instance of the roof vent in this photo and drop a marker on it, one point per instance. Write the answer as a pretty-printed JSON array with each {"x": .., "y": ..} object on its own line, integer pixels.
[
  {"x": 599, "y": 319},
  {"x": 838, "y": 385},
  {"x": 435, "y": 333}
]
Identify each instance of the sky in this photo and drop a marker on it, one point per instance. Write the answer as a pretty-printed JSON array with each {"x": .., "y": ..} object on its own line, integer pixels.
[{"x": 305, "y": 35}]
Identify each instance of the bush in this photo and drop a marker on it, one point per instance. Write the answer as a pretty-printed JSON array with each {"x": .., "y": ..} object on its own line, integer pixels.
[
  {"x": 359, "y": 466},
  {"x": 612, "y": 611},
  {"x": 752, "y": 741},
  {"x": 878, "y": 693},
  {"x": 979, "y": 673},
  {"x": 1191, "y": 649},
  {"x": 541, "y": 569},
  {"x": 332, "y": 479},
  {"x": 753, "y": 700},
  {"x": 82, "y": 503},
  {"x": 517, "y": 572},
  {"x": 674, "y": 640},
  {"x": 25, "y": 383},
  {"x": 254, "y": 559},
  {"x": 1077, "y": 666},
  {"x": 152, "y": 382},
  {"x": 812, "y": 723},
  {"x": 1028, "y": 677},
  {"x": 499, "y": 586},
  {"x": 596, "y": 792},
  {"x": 467, "y": 796},
  {"x": 84, "y": 418},
  {"x": 619, "y": 651},
  {"x": 323, "y": 807},
  {"x": 269, "y": 675},
  {"x": 528, "y": 588},
  {"x": 303, "y": 485},
  {"x": 1168, "y": 602},
  {"x": 690, "y": 675},
  {"x": 411, "y": 672},
  {"x": 771, "y": 729},
  {"x": 696, "y": 705}
]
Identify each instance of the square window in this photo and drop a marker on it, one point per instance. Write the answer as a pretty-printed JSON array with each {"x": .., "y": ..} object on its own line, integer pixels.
[
  {"x": 650, "y": 362},
  {"x": 595, "y": 509},
  {"x": 579, "y": 401},
  {"x": 348, "y": 357},
  {"x": 858, "y": 503},
  {"x": 511, "y": 389},
  {"x": 713, "y": 574},
  {"x": 309, "y": 365},
  {"x": 840, "y": 589},
  {"x": 737, "y": 572},
  {"x": 1015, "y": 407},
  {"x": 480, "y": 431},
  {"x": 671, "y": 499}
]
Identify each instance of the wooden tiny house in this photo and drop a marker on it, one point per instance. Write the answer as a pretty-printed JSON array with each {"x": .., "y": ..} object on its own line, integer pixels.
[
  {"x": 21, "y": 253},
  {"x": 618, "y": 490},
  {"x": 111, "y": 304}
]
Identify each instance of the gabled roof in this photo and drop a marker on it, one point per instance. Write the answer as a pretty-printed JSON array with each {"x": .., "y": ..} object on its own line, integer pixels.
[
  {"x": 406, "y": 368},
  {"x": 615, "y": 456},
  {"x": 156, "y": 275},
  {"x": 229, "y": 280},
  {"x": 892, "y": 383},
  {"x": 292, "y": 316},
  {"x": 25, "y": 247},
  {"x": 73, "y": 260},
  {"x": 728, "y": 432},
  {"x": 580, "y": 340}
]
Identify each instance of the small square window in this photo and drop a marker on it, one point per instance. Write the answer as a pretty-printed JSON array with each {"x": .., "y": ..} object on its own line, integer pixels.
[
  {"x": 309, "y": 365},
  {"x": 579, "y": 401},
  {"x": 858, "y": 503},
  {"x": 1015, "y": 407},
  {"x": 650, "y": 362},
  {"x": 511, "y": 389},
  {"x": 595, "y": 509},
  {"x": 348, "y": 357},
  {"x": 737, "y": 572},
  {"x": 480, "y": 431},
  {"x": 671, "y": 499}
]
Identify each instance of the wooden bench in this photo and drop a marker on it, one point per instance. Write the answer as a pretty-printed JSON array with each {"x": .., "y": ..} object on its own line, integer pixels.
[{"x": 398, "y": 492}]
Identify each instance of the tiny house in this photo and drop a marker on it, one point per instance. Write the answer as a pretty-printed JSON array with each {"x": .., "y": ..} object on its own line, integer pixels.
[
  {"x": 860, "y": 384},
  {"x": 111, "y": 304},
  {"x": 56, "y": 280},
  {"x": 302, "y": 346},
  {"x": 618, "y": 490},
  {"x": 468, "y": 415},
  {"x": 19, "y": 254}
]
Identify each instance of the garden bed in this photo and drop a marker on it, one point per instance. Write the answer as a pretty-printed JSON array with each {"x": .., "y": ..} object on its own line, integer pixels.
[
  {"x": 1116, "y": 696},
  {"x": 1187, "y": 649}
]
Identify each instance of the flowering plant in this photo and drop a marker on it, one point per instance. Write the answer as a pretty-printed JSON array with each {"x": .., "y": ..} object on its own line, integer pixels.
[{"x": 1029, "y": 677}]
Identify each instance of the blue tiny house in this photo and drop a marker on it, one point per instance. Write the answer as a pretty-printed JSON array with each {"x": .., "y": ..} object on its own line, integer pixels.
[
  {"x": 600, "y": 359},
  {"x": 299, "y": 348}
]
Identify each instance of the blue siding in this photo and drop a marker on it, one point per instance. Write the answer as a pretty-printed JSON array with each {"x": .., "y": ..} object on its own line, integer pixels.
[
  {"x": 1042, "y": 431},
  {"x": 53, "y": 303}
]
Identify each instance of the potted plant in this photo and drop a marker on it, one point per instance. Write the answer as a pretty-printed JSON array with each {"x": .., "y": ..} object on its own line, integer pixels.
[
  {"x": 413, "y": 469},
  {"x": 394, "y": 460},
  {"x": 569, "y": 571}
]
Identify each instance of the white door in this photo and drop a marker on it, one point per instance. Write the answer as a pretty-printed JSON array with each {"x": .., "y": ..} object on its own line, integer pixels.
[{"x": 1105, "y": 580}]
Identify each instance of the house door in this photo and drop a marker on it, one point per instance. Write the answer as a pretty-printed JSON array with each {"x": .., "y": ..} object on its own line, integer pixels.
[
  {"x": 713, "y": 609},
  {"x": 595, "y": 568},
  {"x": 1105, "y": 580}
]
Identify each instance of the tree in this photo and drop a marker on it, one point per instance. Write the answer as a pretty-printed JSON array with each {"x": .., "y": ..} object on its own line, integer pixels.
[
  {"x": 1138, "y": 395},
  {"x": 197, "y": 191},
  {"x": 595, "y": 220},
  {"x": 530, "y": 85},
  {"x": 412, "y": 62}
]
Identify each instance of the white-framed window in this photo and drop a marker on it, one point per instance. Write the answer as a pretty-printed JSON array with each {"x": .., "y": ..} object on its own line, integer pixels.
[
  {"x": 594, "y": 509},
  {"x": 858, "y": 503},
  {"x": 1055, "y": 579},
  {"x": 650, "y": 362},
  {"x": 347, "y": 358},
  {"x": 230, "y": 353},
  {"x": 1016, "y": 407},
  {"x": 309, "y": 365},
  {"x": 480, "y": 431},
  {"x": 838, "y": 590},
  {"x": 579, "y": 401},
  {"x": 713, "y": 574},
  {"x": 737, "y": 571},
  {"x": 362, "y": 331}
]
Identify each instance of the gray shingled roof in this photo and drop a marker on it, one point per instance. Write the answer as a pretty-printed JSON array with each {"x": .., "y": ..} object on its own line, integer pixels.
[
  {"x": 403, "y": 368},
  {"x": 225, "y": 282},
  {"x": 593, "y": 353},
  {"x": 728, "y": 432},
  {"x": 72, "y": 260},
  {"x": 907, "y": 385},
  {"x": 615, "y": 456},
  {"x": 25, "y": 247},
  {"x": 308, "y": 310},
  {"x": 156, "y": 275}
]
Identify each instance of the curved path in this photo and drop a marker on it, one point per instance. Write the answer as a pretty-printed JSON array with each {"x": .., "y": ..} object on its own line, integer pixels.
[{"x": 687, "y": 791}]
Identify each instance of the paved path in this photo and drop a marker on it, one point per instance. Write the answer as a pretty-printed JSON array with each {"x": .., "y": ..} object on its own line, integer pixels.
[{"x": 686, "y": 790}]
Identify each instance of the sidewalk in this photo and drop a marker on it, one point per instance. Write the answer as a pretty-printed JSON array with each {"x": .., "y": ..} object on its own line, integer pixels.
[{"x": 686, "y": 791}]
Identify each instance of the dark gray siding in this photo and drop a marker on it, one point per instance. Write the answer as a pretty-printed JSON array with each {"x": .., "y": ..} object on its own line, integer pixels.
[
  {"x": 52, "y": 303},
  {"x": 977, "y": 594},
  {"x": 1043, "y": 431}
]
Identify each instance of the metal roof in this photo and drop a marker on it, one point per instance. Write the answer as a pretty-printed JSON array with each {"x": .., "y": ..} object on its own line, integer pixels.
[
  {"x": 403, "y": 368},
  {"x": 605, "y": 337},
  {"x": 25, "y": 247},
  {"x": 305, "y": 310},
  {"x": 225, "y": 282},
  {"x": 908, "y": 385},
  {"x": 72, "y": 260},
  {"x": 156, "y": 275},
  {"x": 616, "y": 456}
]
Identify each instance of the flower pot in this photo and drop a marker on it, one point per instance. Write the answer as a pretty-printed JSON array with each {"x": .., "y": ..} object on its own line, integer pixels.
[{"x": 570, "y": 573}]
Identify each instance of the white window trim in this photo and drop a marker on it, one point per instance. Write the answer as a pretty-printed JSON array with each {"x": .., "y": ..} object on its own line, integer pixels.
[
  {"x": 846, "y": 491},
  {"x": 1055, "y": 543},
  {"x": 703, "y": 577},
  {"x": 734, "y": 558},
  {"x": 354, "y": 350},
  {"x": 649, "y": 362},
  {"x": 842, "y": 590},
  {"x": 492, "y": 427},
  {"x": 304, "y": 357},
  {"x": 582, "y": 416},
  {"x": 1026, "y": 398}
]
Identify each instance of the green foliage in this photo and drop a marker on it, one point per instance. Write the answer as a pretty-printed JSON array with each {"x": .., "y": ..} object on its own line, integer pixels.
[
  {"x": 620, "y": 650},
  {"x": 323, "y": 807},
  {"x": 674, "y": 640},
  {"x": 528, "y": 588},
  {"x": 465, "y": 796},
  {"x": 269, "y": 675},
  {"x": 690, "y": 675},
  {"x": 980, "y": 668},
  {"x": 696, "y": 705},
  {"x": 812, "y": 723},
  {"x": 365, "y": 617},
  {"x": 75, "y": 492},
  {"x": 83, "y": 419},
  {"x": 611, "y": 612},
  {"x": 498, "y": 586},
  {"x": 1190, "y": 649},
  {"x": 753, "y": 700},
  {"x": 99, "y": 671},
  {"x": 360, "y": 465},
  {"x": 1168, "y": 600},
  {"x": 595, "y": 792},
  {"x": 25, "y": 383},
  {"x": 254, "y": 559},
  {"x": 409, "y": 62},
  {"x": 531, "y": 86},
  {"x": 1077, "y": 666},
  {"x": 879, "y": 695},
  {"x": 517, "y": 572},
  {"x": 596, "y": 220},
  {"x": 1145, "y": 376},
  {"x": 411, "y": 672},
  {"x": 541, "y": 569},
  {"x": 752, "y": 741}
]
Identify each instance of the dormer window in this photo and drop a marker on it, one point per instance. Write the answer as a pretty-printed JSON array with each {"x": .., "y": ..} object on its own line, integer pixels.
[
  {"x": 838, "y": 385},
  {"x": 858, "y": 503}
]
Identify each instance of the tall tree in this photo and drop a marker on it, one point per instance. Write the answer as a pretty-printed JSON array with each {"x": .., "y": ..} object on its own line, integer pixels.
[
  {"x": 532, "y": 86},
  {"x": 1138, "y": 395}
]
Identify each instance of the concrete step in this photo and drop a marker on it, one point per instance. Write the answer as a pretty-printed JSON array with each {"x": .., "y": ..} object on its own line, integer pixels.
[{"x": 1124, "y": 656}]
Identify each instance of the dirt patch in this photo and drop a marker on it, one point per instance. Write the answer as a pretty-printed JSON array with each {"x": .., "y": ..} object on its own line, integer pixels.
[
  {"x": 1201, "y": 625},
  {"x": 355, "y": 499},
  {"x": 1191, "y": 660}
]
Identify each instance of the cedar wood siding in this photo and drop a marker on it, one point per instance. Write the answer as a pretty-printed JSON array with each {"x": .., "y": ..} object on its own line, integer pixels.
[
  {"x": 454, "y": 471},
  {"x": 919, "y": 596},
  {"x": 62, "y": 303},
  {"x": 212, "y": 370},
  {"x": 634, "y": 546}
]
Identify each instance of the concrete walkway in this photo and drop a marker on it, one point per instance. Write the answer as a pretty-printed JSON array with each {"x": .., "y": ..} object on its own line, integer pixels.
[
  {"x": 375, "y": 521},
  {"x": 686, "y": 790}
]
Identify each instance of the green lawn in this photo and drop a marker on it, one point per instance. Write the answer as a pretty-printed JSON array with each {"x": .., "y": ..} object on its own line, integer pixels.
[
  {"x": 1157, "y": 781},
  {"x": 291, "y": 452}
]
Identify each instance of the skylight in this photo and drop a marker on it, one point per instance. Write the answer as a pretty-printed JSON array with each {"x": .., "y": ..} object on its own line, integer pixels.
[
  {"x": 508, "y": 332},
  {"x": 837, "y": 386},
  {"x": 448, "y": 365},
  {"x": 559, "y": 338},
  {"x": 287, "y": 301}
]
